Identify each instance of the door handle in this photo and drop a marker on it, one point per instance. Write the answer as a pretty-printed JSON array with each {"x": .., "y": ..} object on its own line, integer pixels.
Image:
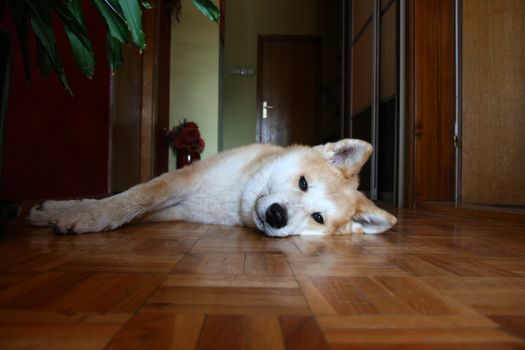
[{"x": 266, "y": 107}]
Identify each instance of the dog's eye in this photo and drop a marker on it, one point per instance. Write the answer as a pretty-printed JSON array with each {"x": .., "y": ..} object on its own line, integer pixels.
[
  {"x": 318, "y": 218},
  {"x": 303, "y": 185}
]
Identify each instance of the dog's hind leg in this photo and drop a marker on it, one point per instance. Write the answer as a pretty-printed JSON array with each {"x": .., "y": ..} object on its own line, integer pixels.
[{"x": 112, "y": 212}]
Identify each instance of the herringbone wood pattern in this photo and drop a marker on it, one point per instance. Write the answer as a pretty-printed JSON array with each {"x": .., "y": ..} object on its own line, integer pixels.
[{"x": 434, "y": 282}]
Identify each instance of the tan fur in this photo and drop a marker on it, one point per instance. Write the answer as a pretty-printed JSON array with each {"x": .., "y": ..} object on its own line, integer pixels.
[{"x": 255, "y": 186}]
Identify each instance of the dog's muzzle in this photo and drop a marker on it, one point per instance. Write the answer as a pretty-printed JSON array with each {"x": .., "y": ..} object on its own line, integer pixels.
[{"x": 276, "y": 216}]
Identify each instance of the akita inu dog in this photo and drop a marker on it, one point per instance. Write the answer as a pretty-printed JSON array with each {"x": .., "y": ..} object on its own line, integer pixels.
[{"x": 295, "y": 190}]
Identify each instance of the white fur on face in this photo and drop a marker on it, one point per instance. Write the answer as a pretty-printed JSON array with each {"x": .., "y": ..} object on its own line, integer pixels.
[{"x": 278, "y": 182}]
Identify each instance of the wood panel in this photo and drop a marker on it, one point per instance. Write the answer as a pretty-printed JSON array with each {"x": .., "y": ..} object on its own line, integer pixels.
[
  {"x": 362, "y": 54},
  {"x": 436, "y": 281},
  {"x": 361, "y": 16},
  {"x": 126, "y": 90},
  {"x": 493, "y": 68},
  {"x": 388, "y": 53},
  {"x": 163, "y": 97},
  {"x": 431, "y": 104},
  {"x": 386, "y": 3},
  {"x": 140, "y": 105},
  {"x": 149, "y": 107}
]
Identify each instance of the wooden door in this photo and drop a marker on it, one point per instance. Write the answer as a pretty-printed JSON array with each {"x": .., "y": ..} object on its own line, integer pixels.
[
  {"x": 288, "y": 90},
  {"x": 431, "y": 104}
]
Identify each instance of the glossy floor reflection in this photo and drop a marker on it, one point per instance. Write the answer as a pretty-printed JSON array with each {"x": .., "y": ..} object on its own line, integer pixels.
[{"x": 434, "y": 282}]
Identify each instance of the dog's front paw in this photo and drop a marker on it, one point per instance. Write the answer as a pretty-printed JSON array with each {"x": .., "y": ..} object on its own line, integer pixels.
[
  {"x": 41, "y": 214},
  {"x": 81, "y": 219}
]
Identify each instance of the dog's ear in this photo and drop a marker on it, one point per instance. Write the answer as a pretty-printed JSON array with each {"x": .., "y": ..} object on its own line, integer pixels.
[
  {"x": 349, "y": 155},
  {"x": 370, "y": 219}
]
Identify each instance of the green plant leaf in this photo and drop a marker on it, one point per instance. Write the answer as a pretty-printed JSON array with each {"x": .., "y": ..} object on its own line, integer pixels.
[
  {"x": 133, "y": 15},
  {"x": 71, "y": 22},
  {"x": 84, "y": 56},
  {"x": 208, "y": 9},
  {"x": 116, "y": 23},
  {"x": 114, "y": 52},
  {"x": 19, "y": 13},
  {"x": 40, "y": 11},
  {"x": 42, "y": 59},
  {"x": 146, "y": 4}
]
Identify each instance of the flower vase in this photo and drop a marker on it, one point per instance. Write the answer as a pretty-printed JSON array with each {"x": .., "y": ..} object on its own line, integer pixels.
[{"x": 185, "y": 157}]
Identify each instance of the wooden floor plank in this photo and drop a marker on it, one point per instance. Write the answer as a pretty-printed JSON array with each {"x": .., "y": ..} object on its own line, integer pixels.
[
  {"x": 49, "y": 330},
  {"x": 433, "y": 282},
  {"x": 491, "y": 295},
  {"x": 408, "y": 336},
  {"x": 274, "y": 264},
  {"x": 514, "y": 324},
  {"x": 83, "y": 292},
  {"x": 240, "y": 332},
  {"x": 229, "y": 300},
  {"x": 218, "y": 280},
  {"x": 159, "y": 331},
  {"x": 122, "y": 262},
  {"x": 302, "y": 332}
]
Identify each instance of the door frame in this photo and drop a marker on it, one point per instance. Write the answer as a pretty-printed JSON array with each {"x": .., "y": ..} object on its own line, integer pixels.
[
  {"x": 278, "y": 38},
  {"x": 418, "y": 12},
  {"x": 148, "y": 76}
]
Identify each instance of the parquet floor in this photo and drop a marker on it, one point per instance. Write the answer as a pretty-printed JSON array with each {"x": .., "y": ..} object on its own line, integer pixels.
[{"x": 434, "y": 282}]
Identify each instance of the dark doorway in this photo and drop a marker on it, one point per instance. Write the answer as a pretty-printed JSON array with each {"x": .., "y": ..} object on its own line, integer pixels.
[{"x": 289, "y": 90}]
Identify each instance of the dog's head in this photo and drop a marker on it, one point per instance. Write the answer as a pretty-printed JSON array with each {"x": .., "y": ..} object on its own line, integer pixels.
[{"x": 313, "y": 191}]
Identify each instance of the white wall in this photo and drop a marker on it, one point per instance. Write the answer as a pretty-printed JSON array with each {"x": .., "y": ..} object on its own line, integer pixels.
[{"x": 194, "y": 75}]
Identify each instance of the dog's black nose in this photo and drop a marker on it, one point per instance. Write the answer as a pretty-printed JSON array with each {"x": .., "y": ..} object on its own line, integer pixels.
[{"x": 276, "y": 216}]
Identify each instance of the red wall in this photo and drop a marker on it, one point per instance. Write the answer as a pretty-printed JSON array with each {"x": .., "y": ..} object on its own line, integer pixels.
[{"x": 57, "y": 145}]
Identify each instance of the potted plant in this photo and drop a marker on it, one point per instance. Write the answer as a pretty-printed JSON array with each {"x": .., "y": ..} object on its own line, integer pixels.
[{"x": 186, "y": 141}]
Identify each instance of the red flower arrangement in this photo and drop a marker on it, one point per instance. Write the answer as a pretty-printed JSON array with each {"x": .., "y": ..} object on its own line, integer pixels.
[{"x": 185, "y": 137}]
